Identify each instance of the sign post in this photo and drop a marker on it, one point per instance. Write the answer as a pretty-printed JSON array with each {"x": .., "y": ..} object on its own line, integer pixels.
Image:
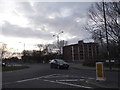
[{"x": 99, "y": 71}]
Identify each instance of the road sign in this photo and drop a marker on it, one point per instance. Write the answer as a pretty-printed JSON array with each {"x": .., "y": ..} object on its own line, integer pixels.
[{"x": 99, "y": 71}]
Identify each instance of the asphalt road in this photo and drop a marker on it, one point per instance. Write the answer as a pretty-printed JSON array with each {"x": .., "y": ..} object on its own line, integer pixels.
[{"x": 42, "y": 76}]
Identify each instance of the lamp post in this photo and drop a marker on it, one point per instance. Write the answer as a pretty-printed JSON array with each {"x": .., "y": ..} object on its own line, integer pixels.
[
  {"x": 23, "y": 48},
  {"x": 23, "y": 52},
  {"x": 58, "y": 41}
]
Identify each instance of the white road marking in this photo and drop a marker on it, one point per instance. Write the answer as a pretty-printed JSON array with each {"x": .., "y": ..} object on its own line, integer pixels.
[
  {"x": 75, "y": 85},
  {"x": 47, "y": 76},
  {"x": 69, "y": 80},
  {"x": 74, "y": 80},
  {"x": 91, "y": 78},
  {"x": 8, "y": 83},
  {"x": 52, "y": 75},
  {"x": 88, "y": 78},
  {"x": 61, "y": 75},
  {"x": 28, "y": 79},
  {"x": 82, "y": 79}
]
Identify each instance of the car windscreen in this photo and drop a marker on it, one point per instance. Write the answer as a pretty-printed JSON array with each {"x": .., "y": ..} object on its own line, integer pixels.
[
  {"x": 52, "y": 61},
  {"x": 60, "y": 61}
]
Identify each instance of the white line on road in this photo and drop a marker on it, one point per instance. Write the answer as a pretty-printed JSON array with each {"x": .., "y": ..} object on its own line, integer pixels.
[
  {"x": 72, "y": 80},
  {"x": 87, "y": 77},
  {"x": 68, "y": 80},
  {"x": 46, "y": 76},
  {"x": 91, "y": 78},
  {"x": 27, "y": 80},
  {"x": 67, "y": 84},
  {"x": 36, "y": 78}
]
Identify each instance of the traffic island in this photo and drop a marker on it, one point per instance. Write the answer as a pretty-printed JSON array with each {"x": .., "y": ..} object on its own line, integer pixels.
[{"x": 81, "y": 66}]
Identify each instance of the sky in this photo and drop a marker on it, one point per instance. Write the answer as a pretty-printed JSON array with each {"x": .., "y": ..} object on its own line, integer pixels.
[{"x": 29, "y": 23}]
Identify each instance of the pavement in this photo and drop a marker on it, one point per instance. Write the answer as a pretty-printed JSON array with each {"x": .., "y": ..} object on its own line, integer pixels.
[
  {"x": 106, "y": 83},
  {"x": 80, "y": 66}
]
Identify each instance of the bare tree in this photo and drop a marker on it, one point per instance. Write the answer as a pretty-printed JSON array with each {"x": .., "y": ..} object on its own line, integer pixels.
[
  {"x": 3, "y": 49},
  {"x": 96, "y": 24},
  {"x": 50, "y": 47},
  {"x": 40, "y": 46}
]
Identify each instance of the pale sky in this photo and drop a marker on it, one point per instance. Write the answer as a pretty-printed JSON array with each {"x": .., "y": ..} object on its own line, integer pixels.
[{"x": 36, "y": 22}]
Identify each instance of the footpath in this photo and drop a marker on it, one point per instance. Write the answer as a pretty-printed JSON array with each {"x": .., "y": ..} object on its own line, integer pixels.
[{"x": 103, "y": 84}]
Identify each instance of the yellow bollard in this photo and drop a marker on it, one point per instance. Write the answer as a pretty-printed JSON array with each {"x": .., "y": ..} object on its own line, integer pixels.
[{"x": 99, "y": 71}]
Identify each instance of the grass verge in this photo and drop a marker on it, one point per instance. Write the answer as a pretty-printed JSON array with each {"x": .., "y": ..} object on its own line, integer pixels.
[{"x": 11, "y": 68}]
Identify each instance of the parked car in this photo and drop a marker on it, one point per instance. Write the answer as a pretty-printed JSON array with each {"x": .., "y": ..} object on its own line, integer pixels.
[
  {"x": 59, "y": 64},
  {"x": 4, "y": 64}
]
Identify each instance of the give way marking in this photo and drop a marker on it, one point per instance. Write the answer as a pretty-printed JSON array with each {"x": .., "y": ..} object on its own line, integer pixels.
[{"x": 47, "y": 76}]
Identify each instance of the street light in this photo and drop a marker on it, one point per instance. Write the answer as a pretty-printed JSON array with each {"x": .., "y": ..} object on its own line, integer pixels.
[
  {"x": 58, "y": 44},
  {"x": 23, "y": 48}
]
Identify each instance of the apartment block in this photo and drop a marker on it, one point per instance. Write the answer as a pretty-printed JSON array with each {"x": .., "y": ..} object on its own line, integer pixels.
[{"x": 81, "y": 51}]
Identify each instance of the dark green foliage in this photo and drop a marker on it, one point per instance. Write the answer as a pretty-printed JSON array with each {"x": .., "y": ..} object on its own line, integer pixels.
[{"x": 10, "y": 68}]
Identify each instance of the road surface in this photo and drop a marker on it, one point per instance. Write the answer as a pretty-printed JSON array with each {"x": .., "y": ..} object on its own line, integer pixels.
[{"x": 42, "y": 76}]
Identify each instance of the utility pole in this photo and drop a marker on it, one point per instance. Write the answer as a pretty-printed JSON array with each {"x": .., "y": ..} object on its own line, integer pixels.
[
  {"x": 24, "y": 46},
  {"x": 1, "y": 52},
  {"x": 105, "y": 24},
  {"x": 58, "y": 41}
]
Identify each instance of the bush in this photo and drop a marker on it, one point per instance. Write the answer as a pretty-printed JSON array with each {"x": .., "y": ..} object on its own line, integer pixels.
[{"x": 10, "y": 68}]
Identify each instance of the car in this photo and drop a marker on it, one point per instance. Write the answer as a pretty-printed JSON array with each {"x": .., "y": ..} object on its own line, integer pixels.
[
  {"x": 59, "y": 64},
  {"x": 4, "y": 64}
]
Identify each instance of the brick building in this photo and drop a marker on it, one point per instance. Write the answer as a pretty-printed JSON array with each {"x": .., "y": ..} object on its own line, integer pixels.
[{"x": 80, "y": 52}]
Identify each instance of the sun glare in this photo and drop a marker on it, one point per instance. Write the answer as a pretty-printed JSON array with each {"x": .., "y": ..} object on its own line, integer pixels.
[{"x": 20, "y": 44}]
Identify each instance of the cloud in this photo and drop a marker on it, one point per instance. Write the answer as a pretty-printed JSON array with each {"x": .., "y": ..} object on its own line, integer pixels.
[
  {"x": 48, "y": 17},
  {"x": 17, "y": 31}
]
